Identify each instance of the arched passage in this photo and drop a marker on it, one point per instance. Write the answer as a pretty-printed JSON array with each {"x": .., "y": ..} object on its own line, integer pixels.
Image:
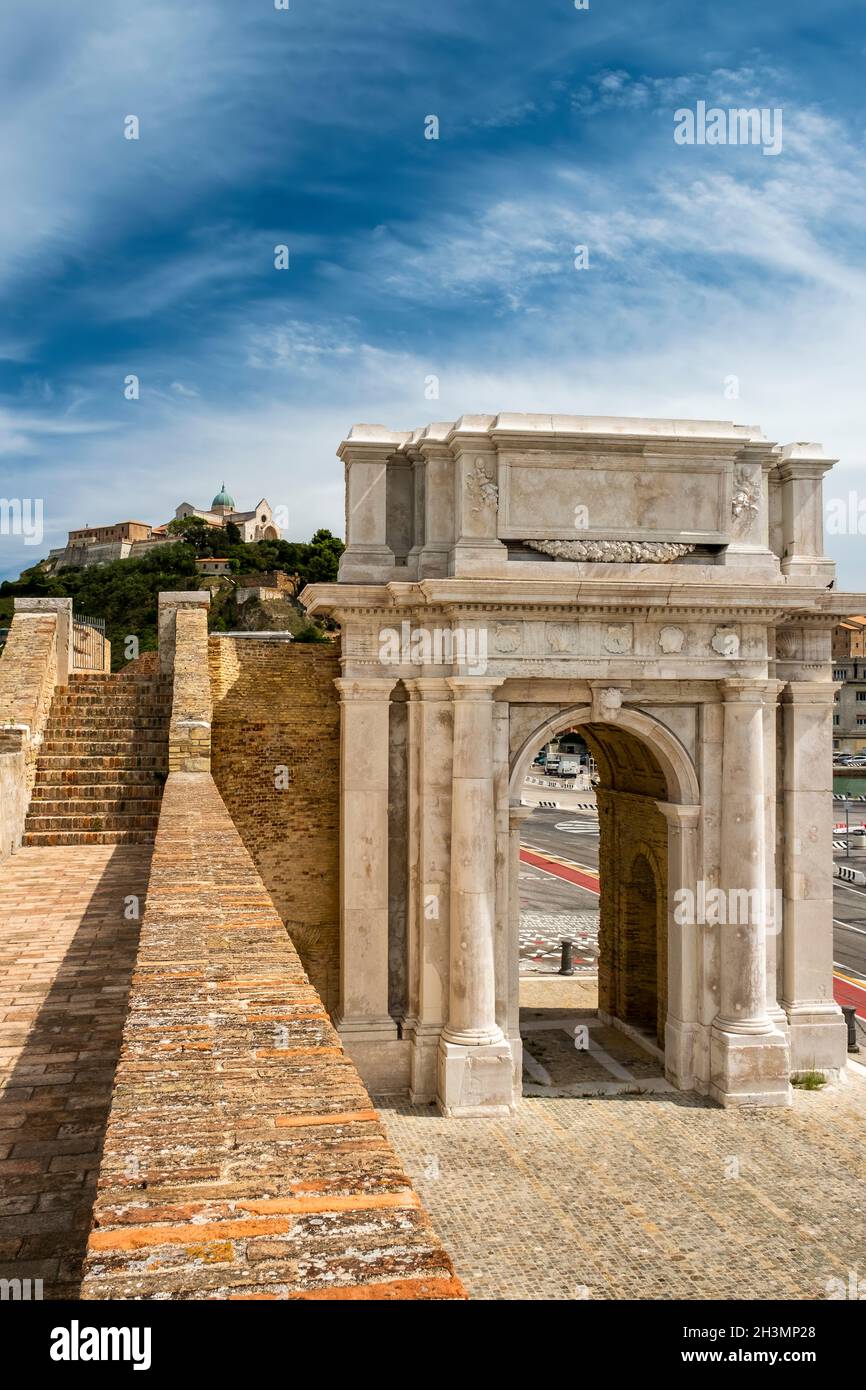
[{"x": 647, "y": 798}]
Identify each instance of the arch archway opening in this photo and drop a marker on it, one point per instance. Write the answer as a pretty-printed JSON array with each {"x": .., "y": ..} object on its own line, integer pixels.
[{"x": 594, "y": 869}]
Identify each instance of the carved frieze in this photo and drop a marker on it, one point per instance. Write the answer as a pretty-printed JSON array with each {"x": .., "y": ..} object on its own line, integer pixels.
[
  {"x": 482, "y": 489},
  {"x": 672, "y": 640},
  {"x": 618, "y": 638},
  {"x": 562, "y": 637},
  {"x": 746, "y": 498},
  {"x": 507, "y": 638},
  {"x": 611, "y": 552},
  {"x": 726, "y": 642}
]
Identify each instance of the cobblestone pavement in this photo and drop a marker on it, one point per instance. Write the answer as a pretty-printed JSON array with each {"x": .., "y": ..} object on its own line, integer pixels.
[
  {"x": 657, "y": 1196},
  {"x": 66, "y": 956},
  {"x": 541, "y": 937}
]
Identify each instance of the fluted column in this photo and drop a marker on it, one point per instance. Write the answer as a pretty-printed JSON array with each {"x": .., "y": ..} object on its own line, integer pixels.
[
  {"x": 475, "y": 1059},
  {"x": 363, "y": 1013},
  {"x": 749, "y": 1057},
  {"x": 817, "y": 1028}
]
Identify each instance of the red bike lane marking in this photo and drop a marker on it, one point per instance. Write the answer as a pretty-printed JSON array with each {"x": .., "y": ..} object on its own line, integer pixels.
[
  {"x": 553, "y": 866},
  {"x": 846, "y": 992}
]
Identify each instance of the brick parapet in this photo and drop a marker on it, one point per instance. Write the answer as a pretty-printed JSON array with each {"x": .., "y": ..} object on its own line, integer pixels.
[
  {"x": 183, "y": 652},
  {"x": 28, "y": 675},
  {"x": 243, "y": 1157}
]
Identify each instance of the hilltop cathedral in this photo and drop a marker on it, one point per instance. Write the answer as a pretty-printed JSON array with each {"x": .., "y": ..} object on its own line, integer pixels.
[{"x": 99, "y": 545}]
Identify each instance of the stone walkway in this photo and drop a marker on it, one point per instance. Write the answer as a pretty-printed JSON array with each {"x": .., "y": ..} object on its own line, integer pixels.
[
  {"x": 66, "y": 955},
  {"x": 657, "y": 1196}
]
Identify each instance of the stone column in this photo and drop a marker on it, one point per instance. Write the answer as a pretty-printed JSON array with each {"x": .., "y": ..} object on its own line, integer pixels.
[
  {"x": 475, "y": 1067},
  {"x": 477, "y": 548},
  {"x": 363, "y": 1019},
  {"x": 801, "y": 475},
  {"x": 430, "y": 746},
  {"x": 367, "y": 558},
  {"x": 749, "y": 1062},
  {"x": 439, "y": 520},
  {"x": 685, "y": 1035},
  {"x": 774, "y": 903},
  {"x": 817, "y": 1028},
  {"x": 517, "y": 816}
]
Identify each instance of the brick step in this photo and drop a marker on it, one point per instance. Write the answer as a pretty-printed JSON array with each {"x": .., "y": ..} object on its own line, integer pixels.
[
  {"x": 88, "y": 837},
  {"x": 100, "y": 681},
  {"x": 88, "y": 762},
  {"x": 149, "y": 733},
  {"x": 94, "y": 709},
  {"x": 109, "y": 820},
  {"x": 134, "y": 708},
  {"x": 89, "y": 792},
  {"x": 78, "y": 699},
  {"x": 98, "y": 777},
  {"x": 93, "y": 806},
  {"x": 103, "y": 747}
]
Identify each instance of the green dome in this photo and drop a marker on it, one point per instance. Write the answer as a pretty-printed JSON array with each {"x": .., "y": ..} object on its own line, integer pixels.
[{"x": 223, "y": 499}]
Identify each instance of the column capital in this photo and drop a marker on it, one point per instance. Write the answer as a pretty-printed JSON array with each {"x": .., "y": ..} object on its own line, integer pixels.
[
  {"x": 747, "y": 691},
  {"x": 676, "y": 815},
  {"x": 428, "y": 688},
  {"x": 810, "y": 692},
  {"x": 474, "y": 687},
  {"x": 364, "y": 688}
]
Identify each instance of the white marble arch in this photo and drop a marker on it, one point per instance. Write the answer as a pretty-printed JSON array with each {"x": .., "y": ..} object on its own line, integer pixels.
[
  {"x": 687, "y": 1049},
  {"x": 705, "y": 596}
]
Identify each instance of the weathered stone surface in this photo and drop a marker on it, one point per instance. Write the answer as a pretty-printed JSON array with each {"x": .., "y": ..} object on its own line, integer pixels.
[{"x": 242, "y": 1157}]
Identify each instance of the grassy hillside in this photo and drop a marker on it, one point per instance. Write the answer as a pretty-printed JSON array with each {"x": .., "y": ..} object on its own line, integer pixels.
[{"x": 126, "y": 592}]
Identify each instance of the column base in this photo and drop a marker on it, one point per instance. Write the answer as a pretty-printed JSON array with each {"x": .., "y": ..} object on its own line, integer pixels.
[
  {"x": 423, "y": 1062},
  {"x": 381, "y": 1057},
  {"x": 819, "y": 1039},
  {"x": 479, "y": 556},
  {"x": 749, "y": 1068},
  {"x": 365, "y": 564},
  {"x": 475, "y": 1081},
  {"x": 687, "y": 1062}
]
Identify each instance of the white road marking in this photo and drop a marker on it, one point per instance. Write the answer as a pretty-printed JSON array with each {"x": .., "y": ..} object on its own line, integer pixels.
[{"x": 847, "y": 927}]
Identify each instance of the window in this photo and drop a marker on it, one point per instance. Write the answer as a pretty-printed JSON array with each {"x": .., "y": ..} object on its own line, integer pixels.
[
  {"x": 861, "y": 718},
  {"x": 861, "y": 694},
  {"x": 836, "y": 719},
  {"x": 839, "y": 674}
]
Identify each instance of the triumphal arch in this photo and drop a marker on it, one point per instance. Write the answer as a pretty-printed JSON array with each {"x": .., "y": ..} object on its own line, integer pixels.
[{"x": 660, "y": 585}]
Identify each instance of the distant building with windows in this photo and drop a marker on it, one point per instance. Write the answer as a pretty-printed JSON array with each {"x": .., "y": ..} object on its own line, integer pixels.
[
  {"x": 849, "y": 667},
  {"x": 100, "y": 545}
]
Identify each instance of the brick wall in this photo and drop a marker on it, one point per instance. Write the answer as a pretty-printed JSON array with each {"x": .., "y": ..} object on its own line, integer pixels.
[
  {"x": 28, "y": 672},
  {"x": 243, "y": 1158},
  {"x": 275, "y": 707}
]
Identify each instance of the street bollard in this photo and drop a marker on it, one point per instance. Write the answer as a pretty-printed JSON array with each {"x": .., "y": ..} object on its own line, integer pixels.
[
  {"x": 567, "y": 966},
  {"x": 850, "y": 1012}
]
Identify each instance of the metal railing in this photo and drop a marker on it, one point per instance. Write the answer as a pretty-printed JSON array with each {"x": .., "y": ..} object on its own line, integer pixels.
[{"x": 88, "y": 643}]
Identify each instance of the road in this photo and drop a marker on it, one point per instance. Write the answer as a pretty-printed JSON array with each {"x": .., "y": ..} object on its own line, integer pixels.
[{"x": 558, "y": 877}]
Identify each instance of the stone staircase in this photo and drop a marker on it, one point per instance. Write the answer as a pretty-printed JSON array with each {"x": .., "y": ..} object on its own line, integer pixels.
[{"x": 102, "y": 763}]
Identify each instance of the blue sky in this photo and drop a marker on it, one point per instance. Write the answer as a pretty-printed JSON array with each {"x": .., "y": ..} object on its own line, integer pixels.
[{"x": 411, "y": 257}]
